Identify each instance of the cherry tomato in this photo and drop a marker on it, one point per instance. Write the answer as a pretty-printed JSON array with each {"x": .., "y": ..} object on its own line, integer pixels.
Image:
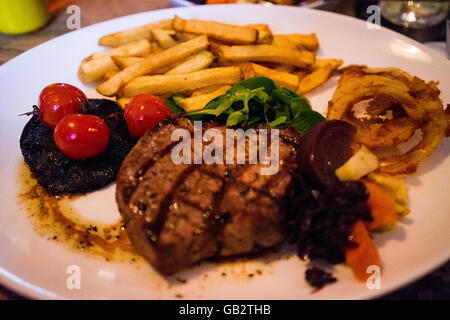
[
  {"x": 58, "y": 100},
  {"x": 144, "y": 112},
  {"x": 81, "y": 136}
]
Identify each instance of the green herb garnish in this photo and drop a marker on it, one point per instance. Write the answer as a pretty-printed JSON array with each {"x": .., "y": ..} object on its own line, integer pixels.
[
  {"x": 259, "y": 101},
  {"x": 173, "y": 103}
]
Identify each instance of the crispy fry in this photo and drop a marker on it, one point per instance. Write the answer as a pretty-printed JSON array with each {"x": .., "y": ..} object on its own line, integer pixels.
[
  {"x": 201, "y": 60},
  {"x": 315, "y": 79},
  {"x": 94, "y": 69},
  {"x": 168, "y": 84},
  {"x": 216, "y": 30},
  {"x": 139, "y": 33},
  {"x": 199, "y": 102},
  {"x": 335, "y": 63},
  {"x": 110, "y": 74},
  {"x": 206, "y": 90},
  {"x": 126, "y": 61},
  {"x": 301, "y": 73},
  {"x": 282, "y": 79},
  {"x": 130, "y": 49},
  {"x": 301, "y": 41},
  {"x": 165, "y": 38},
  {"x": 265, "y": 35},
  {"x": 282, "y": 67},
  {"x": 247, "y": 70},
  {"x": 185, "y": 36},
  {"x": 154, "y": 62},
  {"x": 226, "y": 63},
  {"x": 268, "y": 53},
  {"x": 283, "y": 42}
]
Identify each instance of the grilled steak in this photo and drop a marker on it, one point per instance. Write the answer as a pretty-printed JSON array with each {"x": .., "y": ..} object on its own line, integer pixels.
[{"x": 178, "y": 215}]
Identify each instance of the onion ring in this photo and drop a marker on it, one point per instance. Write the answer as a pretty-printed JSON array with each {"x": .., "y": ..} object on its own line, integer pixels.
[{"x": 399, "y": 104}]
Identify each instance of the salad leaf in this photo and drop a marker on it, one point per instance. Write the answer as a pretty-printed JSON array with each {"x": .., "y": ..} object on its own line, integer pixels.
[
  {"x": 305, "y": 120},
  {"x": 173, "y": 103},
  {"x": 259, "y": 100}
]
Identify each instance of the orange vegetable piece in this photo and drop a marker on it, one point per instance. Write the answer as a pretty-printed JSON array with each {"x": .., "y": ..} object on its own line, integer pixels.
[
  {"x": 363, "y": 254},
  {"x": 382, "y": 208}
]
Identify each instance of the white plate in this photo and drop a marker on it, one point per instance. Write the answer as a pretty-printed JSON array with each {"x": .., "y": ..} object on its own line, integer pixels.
[
  {"x": 186, "y": 3},
  {"x": 36, "y": 267}
]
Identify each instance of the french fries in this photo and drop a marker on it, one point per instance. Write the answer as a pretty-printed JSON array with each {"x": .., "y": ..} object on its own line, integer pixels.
[
  {"x": 165, "y": 38},
  {"x": 167, "y": 84},
  {"x": 267, "y": 53},
  {"x": 301, "y": 73},
  {"x": 126, "y": 61},
  {"x": 94, "y": 69},
  {"x": 151, "y": 63},
  {"x": 283, "y": 42},
  {"x": 110, "y": 74},
  {"x": 198, "y": 102},
  {"x": 265, "y": 35},
  {"x": 206, "y": 90},
  {"x": 220, "y": 31},
  {"x": 130, "y": 49},
  {"x": 301, "y": 41},
  {"x": 135, "y": 34},
  {"x": 201, "y": 60},
  {"x": 315, "y": 79},
  {"x": 282, "y": 67},
  {"x": 282, "y": 79},
  {"x": 335, "y": 63}
]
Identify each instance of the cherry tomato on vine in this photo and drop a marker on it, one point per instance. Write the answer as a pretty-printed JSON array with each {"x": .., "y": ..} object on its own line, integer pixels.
[
  {"x": 81, "y": 136},
  {"x": 58, "y": 100},
  {"x": 144, "y": 112}
]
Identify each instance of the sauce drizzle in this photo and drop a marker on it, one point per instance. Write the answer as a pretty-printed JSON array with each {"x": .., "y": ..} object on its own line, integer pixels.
[{"x": 53, "y": 217}]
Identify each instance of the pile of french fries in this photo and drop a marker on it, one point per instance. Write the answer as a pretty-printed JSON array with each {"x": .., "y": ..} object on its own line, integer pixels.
[{"x": 202, "y": 60}]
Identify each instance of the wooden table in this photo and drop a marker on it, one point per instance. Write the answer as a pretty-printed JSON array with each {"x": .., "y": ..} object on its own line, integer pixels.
[
  {"x": 92, "y": 11},
  {"x": 435, "y": 285}
]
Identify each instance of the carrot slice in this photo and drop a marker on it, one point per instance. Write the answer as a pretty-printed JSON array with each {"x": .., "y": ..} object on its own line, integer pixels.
[
  {"x": 363, "y": 254},
  {"x": 382, "y": 208}
]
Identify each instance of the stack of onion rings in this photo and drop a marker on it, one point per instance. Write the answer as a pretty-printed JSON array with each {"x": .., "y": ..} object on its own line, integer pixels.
[{"x": 397, "y": 105}]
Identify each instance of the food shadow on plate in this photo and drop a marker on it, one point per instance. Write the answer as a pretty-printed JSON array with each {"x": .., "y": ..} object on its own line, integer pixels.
[
  {"x": 397, "y": 234},
  {"x": 229, "y": 265},
  {"x": 441, "y": 153}
]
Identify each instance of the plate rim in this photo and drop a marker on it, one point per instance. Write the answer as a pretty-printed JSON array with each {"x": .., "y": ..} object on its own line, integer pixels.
[{"x": 27, "y": 289}]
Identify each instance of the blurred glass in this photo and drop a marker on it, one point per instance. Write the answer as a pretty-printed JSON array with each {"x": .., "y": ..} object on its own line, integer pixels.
[{"x": 415, "y": 14}]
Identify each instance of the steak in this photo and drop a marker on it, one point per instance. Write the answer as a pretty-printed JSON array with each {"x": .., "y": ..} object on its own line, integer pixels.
[{"x": 179, "y": 214}]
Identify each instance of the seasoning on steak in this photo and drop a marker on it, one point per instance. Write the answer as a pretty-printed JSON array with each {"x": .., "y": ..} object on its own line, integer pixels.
[
  {"x": 59, "y": 174},
  {"x": 178, "y": 215}
]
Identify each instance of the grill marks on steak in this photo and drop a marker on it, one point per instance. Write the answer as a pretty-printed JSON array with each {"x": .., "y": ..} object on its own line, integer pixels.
[{"x": 177, "y": 215}]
